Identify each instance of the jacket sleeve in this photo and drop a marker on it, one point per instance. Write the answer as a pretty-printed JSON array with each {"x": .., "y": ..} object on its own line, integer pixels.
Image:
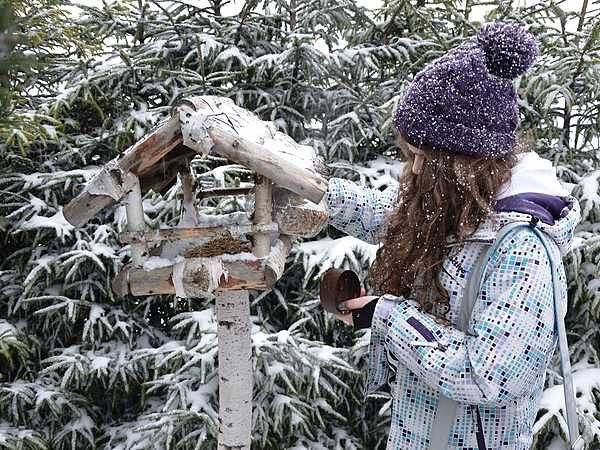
[
  {"x": 512, "y": 331},
  {"x": 359, "y": 211}
]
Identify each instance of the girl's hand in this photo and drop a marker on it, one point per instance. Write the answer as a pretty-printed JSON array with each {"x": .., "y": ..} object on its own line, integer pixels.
[{"x": 353, "y": 303}]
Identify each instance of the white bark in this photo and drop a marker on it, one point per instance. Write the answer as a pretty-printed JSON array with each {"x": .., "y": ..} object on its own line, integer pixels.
[
  {"x": 135, "y": 218},
  {"x": 235, "y": 370},
  {"x": 190, "y": 214},
  {"x": 138, "y": 159},
  {"x": 275, "y": 262},
  {"x": 217, "y": 124},
  {"x": 263, "y": 206}
]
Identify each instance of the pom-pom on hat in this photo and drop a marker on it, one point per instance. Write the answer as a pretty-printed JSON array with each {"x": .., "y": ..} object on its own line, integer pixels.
[{"x": 465, "y": 101}]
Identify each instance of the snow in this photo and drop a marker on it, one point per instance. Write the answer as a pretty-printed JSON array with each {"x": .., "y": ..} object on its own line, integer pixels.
[
  {"x": 268, "y": 61},
  {"x": 98, "y": 362},
  {"x": 144, "y": 116},
  {"x": 590, "y": 197},
  {"x": 11, "y": 436},
  {"x": 37, "y": 204},
  {"x": 345, "y": 252},
  {"x": 101, "y": 249},
  {"x": 201, "y": 399},
  {"x": 57, "y": 222},
  {"x": 39, "y": 179},
  {"x": 232, "y": 53},
  {"x": 275, "y": 368},
  {"x": 222, "y": 220},
  {"x": 586, "y": 382},
  {"x": 219, "y": 173},
  {"x": 259, "y": 338},
  {"x": 243, "y": 256},
  {"x": 50, "y": 131},
  {"x": 283, "y": 336},
  {"x": 205, "y": 320},
  {"x": 381, "y": 172},
  {"x": 96, "y": 311},
  {"x": 7, "y": 332},
  {"x": 156, "y": 262},
  {"x": 377, "y": 173},
  {"x": 325, "y": 353}
]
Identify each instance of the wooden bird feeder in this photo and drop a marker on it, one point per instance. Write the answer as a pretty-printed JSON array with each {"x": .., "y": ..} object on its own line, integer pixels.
[{"x": 224, "y": 255}]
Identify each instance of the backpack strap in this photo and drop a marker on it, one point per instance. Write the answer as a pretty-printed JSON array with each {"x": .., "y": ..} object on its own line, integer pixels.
[
  {"x": 446, "y": 411},
  {"x": 575, "y": 439},
  {"x": 445, "y": 414}
]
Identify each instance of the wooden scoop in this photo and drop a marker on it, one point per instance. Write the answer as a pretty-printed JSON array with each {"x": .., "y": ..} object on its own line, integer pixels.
[{"x": 337, "y": 286}]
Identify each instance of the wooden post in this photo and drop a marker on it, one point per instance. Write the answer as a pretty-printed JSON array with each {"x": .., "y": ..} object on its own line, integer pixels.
[
  {"x": 190, "y": 215},
  {"x": 135, "y": 219},
  {"x": 235, "y": 370},
  {"x": 235, "y": 341},
  {"x": 263, "y": 206}
]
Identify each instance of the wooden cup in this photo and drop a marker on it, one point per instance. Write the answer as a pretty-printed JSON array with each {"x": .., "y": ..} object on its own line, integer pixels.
[{"x": 338, "y": 285}]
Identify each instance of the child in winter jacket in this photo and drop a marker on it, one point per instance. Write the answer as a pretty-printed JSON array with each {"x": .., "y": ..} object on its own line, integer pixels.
[{"x": 463, "y": 181}]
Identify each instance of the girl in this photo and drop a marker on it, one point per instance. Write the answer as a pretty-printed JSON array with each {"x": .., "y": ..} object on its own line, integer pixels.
[{"x": 464, "y": 179}]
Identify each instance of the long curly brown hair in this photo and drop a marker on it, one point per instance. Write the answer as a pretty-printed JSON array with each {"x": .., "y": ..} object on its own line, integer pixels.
[{"x": 443, "y": 204}]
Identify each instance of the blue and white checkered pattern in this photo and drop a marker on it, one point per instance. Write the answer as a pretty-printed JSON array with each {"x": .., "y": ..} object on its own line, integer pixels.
[{"x": 499, "y": 364}]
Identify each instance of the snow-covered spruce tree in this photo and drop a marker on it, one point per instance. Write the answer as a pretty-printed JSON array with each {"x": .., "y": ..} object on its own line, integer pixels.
[
  {"x": 88, "y": 370},
  {"x": 107, "y": 372}
]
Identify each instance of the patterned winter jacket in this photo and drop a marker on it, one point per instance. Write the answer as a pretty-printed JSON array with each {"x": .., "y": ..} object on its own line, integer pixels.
[{"x": 498, "y": 364}]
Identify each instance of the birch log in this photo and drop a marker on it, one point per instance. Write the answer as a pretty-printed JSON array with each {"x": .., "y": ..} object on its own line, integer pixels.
[
  {"x": 275, "y": 262},
  {"x": 174, "y": 234},
  {"x": 263, "y": 205},
  {"x": 297, "y": 216},
  {"x": 277, "y": 167},
  {"x": 235, "y": 370},
  {"x": 137, "y": 159},
  {"x": 135, "y": 219},
  {"x": 211, "y": 123},
  {"x": 235, "y": 341},
  {"x": 243, "y": 273}
]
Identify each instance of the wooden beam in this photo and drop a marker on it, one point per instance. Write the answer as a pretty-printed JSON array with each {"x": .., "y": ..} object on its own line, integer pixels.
[
  {"x": 222, "y": 192},
  {"x": 108, "y": 185},
  {"x": 190, "y": 215},
  {"x": 95, "y": 196},
  {"x": 161, "y": 175},
  {"x": 135, "y": 219},
  {"x": 152, "y": 148},
  {"x": 275, "y": 166},
  {"x": 263, "y": 207},
  {"x": 242, "y": 273},
  {"x": 173, "y": 234}
]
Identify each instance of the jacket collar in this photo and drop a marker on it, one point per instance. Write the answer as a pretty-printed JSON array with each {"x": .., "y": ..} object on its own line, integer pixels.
[{"x": 561, "y": 231}]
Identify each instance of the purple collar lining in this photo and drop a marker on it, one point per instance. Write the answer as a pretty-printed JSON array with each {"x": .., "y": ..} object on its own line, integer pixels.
[{"x": 547, "y": 208}]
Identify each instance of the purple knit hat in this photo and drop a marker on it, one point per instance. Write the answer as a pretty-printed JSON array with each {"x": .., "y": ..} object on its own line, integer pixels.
[{"x": 465, "y": 101}]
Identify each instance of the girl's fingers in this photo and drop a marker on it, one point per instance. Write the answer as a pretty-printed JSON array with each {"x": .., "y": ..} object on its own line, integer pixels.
[{"x": 356, "y": 303}]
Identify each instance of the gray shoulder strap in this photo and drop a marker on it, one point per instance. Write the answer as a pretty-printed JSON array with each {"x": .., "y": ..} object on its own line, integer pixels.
[
  {"x": 445, "y": 414},
  {"x": 575, "y": 439},
  {"x": 472, "y": 289}
]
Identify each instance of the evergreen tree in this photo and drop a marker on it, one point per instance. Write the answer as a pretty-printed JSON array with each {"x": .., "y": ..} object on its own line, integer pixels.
[{"x": 82, "y": 368}]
